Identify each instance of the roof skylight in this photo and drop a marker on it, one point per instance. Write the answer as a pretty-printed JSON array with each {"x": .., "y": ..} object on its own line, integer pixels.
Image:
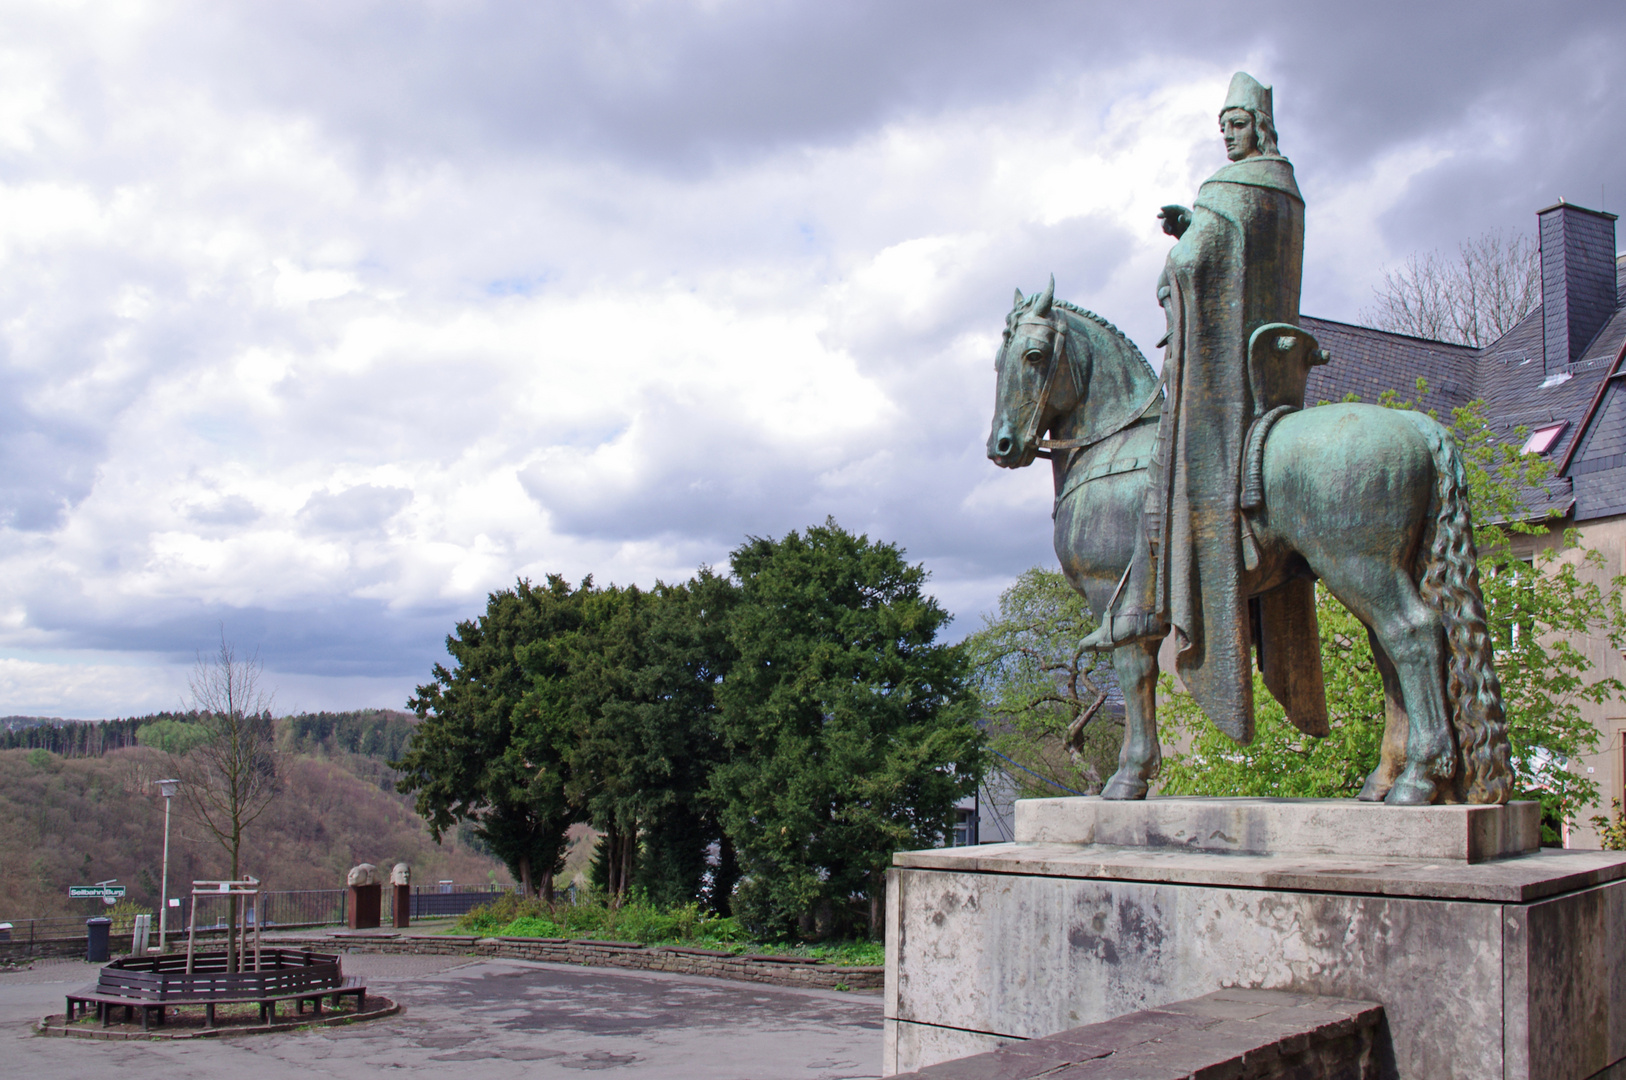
[{"x": 1542, "y": 439}]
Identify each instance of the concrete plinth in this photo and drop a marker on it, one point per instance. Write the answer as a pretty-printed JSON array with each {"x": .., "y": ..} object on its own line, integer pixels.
[{"x": 1486, "y": 967}]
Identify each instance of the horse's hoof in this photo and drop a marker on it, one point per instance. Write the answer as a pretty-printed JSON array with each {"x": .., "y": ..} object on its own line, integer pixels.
[
  {"x": 1411, "y": 790},
  {"x": 1125, "y": 787},
  {"x": 1375, "y": 788}
]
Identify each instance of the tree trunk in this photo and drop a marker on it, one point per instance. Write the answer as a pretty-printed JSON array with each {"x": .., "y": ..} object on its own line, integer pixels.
[
  {"x": 629, "y": 850},
  {"x": 231, "y": 906},
  {"x": 547, "y": 889},
  {"x": 525, "y": 876},
  {"x": 725, "y": 877}
]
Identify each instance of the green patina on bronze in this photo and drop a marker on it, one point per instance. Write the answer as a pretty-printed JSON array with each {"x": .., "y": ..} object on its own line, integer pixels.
[{"x": 1210, "y": 509}]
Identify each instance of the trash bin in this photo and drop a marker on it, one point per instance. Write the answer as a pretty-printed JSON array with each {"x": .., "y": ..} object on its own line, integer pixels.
[{"x": 96, "y": 931}]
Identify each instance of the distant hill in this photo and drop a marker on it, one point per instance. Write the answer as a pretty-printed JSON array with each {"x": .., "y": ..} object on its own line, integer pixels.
[
  {"x": 81, "y": 819},
  {"x": 9, "y": 723}
]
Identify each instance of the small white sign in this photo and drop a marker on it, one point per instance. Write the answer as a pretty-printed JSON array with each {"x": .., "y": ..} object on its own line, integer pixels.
[
  {"x": 225, "y": 886},
  {"x": 174, "y": 902}
]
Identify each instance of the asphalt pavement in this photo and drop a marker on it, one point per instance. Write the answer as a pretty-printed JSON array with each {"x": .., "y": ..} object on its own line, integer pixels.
[{"x": 487, "y": 1020}]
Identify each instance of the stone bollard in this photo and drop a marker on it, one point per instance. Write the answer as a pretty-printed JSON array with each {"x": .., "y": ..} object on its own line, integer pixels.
[
  {"x": 401, "y": 878},
  {"x": 365, "y": 900}
]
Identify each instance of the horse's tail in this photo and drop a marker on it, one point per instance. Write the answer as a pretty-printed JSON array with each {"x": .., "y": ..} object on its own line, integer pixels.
[{"x": 1448, "y": 579}]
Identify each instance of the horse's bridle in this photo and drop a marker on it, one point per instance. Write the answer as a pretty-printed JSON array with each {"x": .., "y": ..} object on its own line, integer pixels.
[{"x": 1058, "y": 356}]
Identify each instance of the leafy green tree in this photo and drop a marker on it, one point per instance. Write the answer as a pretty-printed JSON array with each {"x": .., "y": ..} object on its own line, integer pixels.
[
  {"x": 630, "y": 692},
  {"x": 172, "y": 736},
  {"x": 1536, "y": 612},
  {"x": 1612, "y": 831},
  {"x": 1044, "y": 699},
  {"x": 691, "y": 654},
  {"x": 848, "y": 727},
  {"x": 485, "y": 754},
  {"x": 1282, "y": 761}
]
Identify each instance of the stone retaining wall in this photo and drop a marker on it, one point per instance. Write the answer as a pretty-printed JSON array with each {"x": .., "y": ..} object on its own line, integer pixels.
[
  {"x": 1230, "y": 1034},
  {"x": 778, "y": 970}
]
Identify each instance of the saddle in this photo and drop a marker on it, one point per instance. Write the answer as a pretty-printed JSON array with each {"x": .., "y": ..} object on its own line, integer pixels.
[{"x": 1280, "y": 357}]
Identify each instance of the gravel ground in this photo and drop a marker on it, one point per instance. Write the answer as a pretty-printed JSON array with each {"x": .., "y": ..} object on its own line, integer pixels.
[{"x": 491, "y": 1019}]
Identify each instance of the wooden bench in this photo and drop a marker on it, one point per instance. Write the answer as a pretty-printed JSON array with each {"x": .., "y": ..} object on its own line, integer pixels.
[
  {"x": 80, "y": 1003},
  {"x": 106, "y": 999}
]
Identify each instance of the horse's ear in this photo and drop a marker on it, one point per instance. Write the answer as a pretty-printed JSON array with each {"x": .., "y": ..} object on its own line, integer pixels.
[
  {"x": 1018, "y": 301},
  {"x": 1042, "y": 308}
]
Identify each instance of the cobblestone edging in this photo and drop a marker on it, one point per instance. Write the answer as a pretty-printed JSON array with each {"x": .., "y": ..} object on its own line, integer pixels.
[
  {"x": 778, "y": 970},
  {"x": 56, "y": 1025}
]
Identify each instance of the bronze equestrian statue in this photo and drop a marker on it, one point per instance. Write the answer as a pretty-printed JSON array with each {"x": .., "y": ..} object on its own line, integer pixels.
[{"x": 1209, "y": 502}]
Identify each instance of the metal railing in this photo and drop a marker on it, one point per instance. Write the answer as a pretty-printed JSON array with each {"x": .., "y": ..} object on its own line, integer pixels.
[
  {"x": 290, "y": 908},
  {"x": 17, "y": 931}
]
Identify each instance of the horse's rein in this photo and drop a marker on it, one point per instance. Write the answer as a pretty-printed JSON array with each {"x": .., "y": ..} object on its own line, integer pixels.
[{"x": 1058, "y": 356}]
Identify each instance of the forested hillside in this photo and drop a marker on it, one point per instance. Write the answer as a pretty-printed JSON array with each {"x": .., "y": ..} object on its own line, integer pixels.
[{"x": 81, "y": 819}]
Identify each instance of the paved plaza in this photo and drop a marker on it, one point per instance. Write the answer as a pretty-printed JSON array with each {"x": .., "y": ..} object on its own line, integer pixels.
[{"x": 485, "y": 1019}]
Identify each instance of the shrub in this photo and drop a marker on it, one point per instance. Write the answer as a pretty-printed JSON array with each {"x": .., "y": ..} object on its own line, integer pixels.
[
  {"x": 123, "y": 915},
  {"x": 1612, "y": 833},
  {"x": 511, "y": 915}
]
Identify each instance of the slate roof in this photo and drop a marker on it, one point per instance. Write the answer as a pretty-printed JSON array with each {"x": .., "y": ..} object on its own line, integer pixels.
[
  {"x": 1509, "y": 376},
  {"x": 1367, "y": 362}
]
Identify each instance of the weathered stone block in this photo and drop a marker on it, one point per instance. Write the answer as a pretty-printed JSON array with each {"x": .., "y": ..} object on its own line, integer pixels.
[
  {"x": 1288, "y": 1038},
  {"x": 1342, "y": 827},
  {"x": 1512, "y": 967}
]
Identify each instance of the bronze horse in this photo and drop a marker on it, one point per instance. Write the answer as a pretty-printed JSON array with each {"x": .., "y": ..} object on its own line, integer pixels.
[{"x": 1371, "y": 501}]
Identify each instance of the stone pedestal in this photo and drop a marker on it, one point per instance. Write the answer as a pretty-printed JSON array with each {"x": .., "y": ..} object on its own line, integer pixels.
[
  {"x": 1490, "y": 956},
  {"x": 364, "y": 909}
]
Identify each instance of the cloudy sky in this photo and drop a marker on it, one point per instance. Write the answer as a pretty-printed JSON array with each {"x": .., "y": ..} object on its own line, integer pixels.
[{"x": 320, "y": 320}]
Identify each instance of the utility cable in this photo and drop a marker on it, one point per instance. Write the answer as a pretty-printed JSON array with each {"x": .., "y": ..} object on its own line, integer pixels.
[{"x": 1030, "y": 772}]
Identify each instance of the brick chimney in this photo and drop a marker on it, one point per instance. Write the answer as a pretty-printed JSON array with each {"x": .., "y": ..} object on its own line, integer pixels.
[{"x": 1577, "y": 280}]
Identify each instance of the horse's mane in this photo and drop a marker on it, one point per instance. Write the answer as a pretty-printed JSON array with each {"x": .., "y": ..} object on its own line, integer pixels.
[
  {"x": 1123, "y": 338},
  {"x": 1109, "y": 328}
]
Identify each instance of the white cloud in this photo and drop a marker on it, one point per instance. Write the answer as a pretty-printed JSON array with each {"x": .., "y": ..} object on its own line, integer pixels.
[{"x": 289, "y": 354}]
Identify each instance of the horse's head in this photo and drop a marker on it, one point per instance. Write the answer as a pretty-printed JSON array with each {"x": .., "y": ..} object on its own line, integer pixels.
[{"x": 1035, "y": 383}]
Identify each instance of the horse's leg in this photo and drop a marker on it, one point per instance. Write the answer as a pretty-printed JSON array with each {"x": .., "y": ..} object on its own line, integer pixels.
[
  {"x": 1384, "y": 598},
  {"x": 1396, "y": 723},
  {"x": 1135, "y": 665}
]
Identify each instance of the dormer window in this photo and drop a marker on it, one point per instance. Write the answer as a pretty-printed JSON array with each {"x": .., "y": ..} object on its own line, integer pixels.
[{"x": 1542, "y": 439}]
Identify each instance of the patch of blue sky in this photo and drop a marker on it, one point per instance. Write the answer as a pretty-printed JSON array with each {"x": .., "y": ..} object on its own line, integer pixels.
[{"x": 516, "y": 286}]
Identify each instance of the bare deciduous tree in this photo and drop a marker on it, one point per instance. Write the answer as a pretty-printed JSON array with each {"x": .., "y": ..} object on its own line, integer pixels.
[
  {"x": 1472, "y": 299},
  {"x": 230, "y": 778}
]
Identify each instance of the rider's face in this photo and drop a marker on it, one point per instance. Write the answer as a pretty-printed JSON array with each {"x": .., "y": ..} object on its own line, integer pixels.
[{"x": 1241, "y": 134}]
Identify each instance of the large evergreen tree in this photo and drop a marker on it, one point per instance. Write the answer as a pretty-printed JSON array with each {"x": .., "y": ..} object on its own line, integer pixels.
[
  {"x": 629, "y": 692},
  {"x": 486, "y": 754},
  {"x": 848, "y": 727}
]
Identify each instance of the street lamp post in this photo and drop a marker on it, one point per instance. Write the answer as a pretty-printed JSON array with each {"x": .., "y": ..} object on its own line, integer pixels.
[{"x": 168, "y": 787}]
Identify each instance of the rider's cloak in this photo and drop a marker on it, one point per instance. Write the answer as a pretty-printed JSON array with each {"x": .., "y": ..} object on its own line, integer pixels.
[{"x": 1237, "y": 267}]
